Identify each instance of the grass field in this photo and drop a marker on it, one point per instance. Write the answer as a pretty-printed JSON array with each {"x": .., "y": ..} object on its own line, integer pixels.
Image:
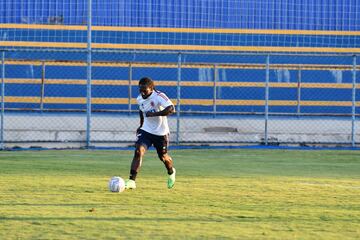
[{"x": 219, "y": 194}]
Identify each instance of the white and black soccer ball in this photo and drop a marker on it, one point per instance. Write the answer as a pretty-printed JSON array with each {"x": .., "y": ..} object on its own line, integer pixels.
[{"x": 116, "y": 184}]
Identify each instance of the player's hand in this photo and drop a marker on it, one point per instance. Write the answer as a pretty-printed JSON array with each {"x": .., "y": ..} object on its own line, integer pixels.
[{"x": 138, "y": 131}]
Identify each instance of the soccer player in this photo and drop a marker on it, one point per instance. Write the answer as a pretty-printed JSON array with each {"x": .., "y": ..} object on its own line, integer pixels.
[{"x": 154, "y": 107}]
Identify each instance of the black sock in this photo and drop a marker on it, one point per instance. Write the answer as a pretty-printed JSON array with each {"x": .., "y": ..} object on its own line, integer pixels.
[{"x": 133, "y": 174}]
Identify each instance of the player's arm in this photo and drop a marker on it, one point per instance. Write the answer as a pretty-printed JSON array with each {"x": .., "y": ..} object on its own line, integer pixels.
[
  {"x": 141, "y": 120},
  {"x": 167, "y": 111}
]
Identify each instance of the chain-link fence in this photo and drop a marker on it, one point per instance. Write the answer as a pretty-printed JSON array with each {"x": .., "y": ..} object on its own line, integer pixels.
[{"x": 56, "y": 99}]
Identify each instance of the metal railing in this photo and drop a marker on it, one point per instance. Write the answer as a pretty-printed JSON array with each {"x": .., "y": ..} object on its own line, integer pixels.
[{"x": 212, "y": 103}]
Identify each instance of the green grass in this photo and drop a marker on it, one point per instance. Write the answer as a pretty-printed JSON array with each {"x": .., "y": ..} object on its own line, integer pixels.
[{"x": 219, "y": 194}]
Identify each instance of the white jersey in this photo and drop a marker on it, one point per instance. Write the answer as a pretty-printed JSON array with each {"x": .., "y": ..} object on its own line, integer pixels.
[{"x": 156, "y": 102}]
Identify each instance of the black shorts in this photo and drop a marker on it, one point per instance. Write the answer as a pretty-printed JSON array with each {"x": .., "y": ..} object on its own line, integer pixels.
[{"x": 161, "y": 143}]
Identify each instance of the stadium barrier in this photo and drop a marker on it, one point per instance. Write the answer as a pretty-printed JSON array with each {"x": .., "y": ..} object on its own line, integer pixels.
[
  {"x": 267, "y": 72},
  {"x": 45, "y": 101},
  {"x": 35, "y": 94}
]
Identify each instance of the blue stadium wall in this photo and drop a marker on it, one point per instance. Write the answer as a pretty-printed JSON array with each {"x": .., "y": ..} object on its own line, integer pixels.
[
  {"x": 341, "y": 15},
  {"x": 307, "y": 27}
]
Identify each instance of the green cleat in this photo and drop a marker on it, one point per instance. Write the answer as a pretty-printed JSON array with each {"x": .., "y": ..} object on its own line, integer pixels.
[
  {"x": 130, "y": 184},
  {"x": 171, "y": 179}
]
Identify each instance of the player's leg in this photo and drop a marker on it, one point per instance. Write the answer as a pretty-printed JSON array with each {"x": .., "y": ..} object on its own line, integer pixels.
[
  {"x": 137, "y": 160},
  {"x": 167, "y": 160},
  {"x": 142, "y": 144},
  {"x": 161, "y": 144}
]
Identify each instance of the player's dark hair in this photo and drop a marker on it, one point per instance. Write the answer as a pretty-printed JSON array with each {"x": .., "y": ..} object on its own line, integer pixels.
[{"x": 147, "y": 82}]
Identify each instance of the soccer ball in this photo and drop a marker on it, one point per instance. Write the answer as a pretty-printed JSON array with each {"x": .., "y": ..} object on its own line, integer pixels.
[{"x": 116, "y": 184}]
